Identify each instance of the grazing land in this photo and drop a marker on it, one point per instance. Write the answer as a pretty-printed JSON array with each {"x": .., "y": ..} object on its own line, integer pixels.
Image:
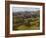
[{"x": 27, "y": 20}]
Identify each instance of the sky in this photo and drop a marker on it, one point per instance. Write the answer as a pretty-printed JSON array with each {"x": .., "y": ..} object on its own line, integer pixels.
[{"x": 17, "y": 9}]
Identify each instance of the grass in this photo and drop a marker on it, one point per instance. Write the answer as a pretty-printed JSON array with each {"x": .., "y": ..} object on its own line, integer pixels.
[{"x": 26, "y": 24}]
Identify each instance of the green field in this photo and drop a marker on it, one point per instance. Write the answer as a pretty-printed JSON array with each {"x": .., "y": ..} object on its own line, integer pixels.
[{"x": 26, "y": 24}]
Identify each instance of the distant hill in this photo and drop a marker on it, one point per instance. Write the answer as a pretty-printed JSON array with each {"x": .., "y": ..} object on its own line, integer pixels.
[{"x": 27, "y": 14}]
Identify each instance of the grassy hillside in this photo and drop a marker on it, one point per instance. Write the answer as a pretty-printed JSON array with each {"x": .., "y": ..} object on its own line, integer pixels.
[{"x": 26, "y": 21}]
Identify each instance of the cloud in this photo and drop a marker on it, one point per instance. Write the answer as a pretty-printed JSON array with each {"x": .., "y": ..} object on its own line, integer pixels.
[{"x": 17, "y": 9}]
